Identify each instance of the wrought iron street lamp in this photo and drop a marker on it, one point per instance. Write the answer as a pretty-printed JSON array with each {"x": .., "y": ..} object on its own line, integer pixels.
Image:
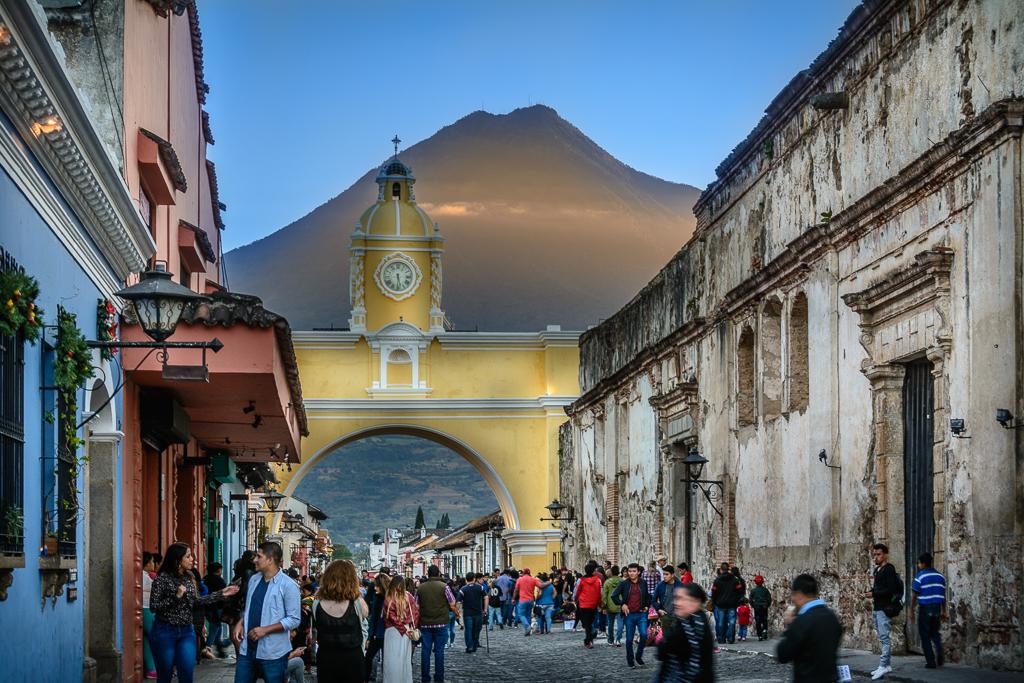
[
  {"x": 273, "y": 500},
  {"x": 159, "y": 302},
  {"x": 556, "y": 509},
  {"x": 695, "y": 467}
]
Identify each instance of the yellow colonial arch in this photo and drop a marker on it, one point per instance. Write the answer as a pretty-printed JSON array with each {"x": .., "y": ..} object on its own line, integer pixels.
[{"x": 496, "y": 399}]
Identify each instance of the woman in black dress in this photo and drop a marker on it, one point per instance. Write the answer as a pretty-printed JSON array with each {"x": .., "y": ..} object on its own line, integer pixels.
[
  {"x": 338, "y": 615},
  {"x": 685, "y": 652}
]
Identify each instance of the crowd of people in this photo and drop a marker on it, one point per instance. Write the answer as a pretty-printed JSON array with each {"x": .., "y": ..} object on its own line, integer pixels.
[{"x": 357, "y": 629}]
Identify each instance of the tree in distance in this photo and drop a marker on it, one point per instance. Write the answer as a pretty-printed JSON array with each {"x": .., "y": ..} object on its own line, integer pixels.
[
  {"x": 362, "y": 558},
  {"x": 376, "y": 539},
  {"x": 420, "y": 523},
  {"x": 341, "y": 552},
  {"x": 443, "y": 523}
]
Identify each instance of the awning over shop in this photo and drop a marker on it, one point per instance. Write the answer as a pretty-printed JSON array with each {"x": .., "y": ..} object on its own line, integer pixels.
[{"x": 252, "y": 405}]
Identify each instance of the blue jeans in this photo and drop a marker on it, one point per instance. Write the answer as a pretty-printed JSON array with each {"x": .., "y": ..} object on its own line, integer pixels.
[
  {"x": 451, "y": 627},
  {"x": 601, "y": 622},
  {"x": 544, "y": 620},
  {"x": 249, "y": 669},
  {"x": 743, "y": 631},
  {"x": 509, "y": 611},
  {"x": 473, "y": 624},
  {"x": 635, "y": 622},
  {"x": 433, "y": 640},
  {"x": 524, "y": 613},
  {"x": 882, "y": 625},
  {"x": 725, "y": 624},
  {"x": 494, "y": 616},
  {"x": 929, "y": 621},
  {"x": 612, "y": 618},
  {"x": 213, "y": 630},
  {"x": 172, "y": 645}
]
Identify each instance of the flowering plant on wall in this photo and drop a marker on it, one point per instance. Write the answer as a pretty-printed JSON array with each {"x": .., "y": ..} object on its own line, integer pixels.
[
  {"x": 106, "y": 326},
  {"x": 18, "y": 310}
]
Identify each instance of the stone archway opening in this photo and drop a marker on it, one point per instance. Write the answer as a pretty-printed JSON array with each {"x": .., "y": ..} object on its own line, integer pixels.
[{"x": 486, "y": 470}]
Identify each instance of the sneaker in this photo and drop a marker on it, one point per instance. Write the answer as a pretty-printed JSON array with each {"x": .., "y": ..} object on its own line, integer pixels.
[
  {"x": 639, "y": 662},
  {"x": 618, "y": 644},
  {"x": 631, "y": 665},
  {"x": 880, "y": 672},
  {"x": 529, "y": 630},
  {"x": 501, "y": 626}
]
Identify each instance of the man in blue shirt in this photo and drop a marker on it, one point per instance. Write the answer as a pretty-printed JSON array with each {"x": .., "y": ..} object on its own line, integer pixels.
[
  {"x": 506, "y": 583},
  {"x": 930, "y": 598},
  {"x": 272, "y": 609}
]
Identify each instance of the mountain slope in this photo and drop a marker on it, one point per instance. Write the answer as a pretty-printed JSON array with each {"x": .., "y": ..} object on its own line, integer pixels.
[
  {"x": 542, "y": 226},
  {"x": 380, "y": 481}
]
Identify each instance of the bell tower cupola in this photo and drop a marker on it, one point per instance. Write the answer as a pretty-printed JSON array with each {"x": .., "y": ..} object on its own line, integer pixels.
[{"x": 395, "y": 258}]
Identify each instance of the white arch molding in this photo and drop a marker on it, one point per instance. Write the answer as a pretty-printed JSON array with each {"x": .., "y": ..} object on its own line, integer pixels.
[{"x": 505, "y": 503}]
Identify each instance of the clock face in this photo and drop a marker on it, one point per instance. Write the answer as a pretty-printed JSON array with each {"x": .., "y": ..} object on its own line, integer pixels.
[{"x": 397, "y": 276}]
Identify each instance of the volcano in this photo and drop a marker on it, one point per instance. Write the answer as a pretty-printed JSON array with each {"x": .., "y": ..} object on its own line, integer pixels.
[{"x": 542, "y": 226}]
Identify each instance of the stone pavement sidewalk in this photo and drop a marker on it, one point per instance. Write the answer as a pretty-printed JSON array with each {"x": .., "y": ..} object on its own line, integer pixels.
[{"x": 908, "y": 669}]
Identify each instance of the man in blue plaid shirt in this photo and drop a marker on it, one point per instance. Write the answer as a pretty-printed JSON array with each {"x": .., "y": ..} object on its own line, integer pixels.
[{"x": 930, "y": 598}]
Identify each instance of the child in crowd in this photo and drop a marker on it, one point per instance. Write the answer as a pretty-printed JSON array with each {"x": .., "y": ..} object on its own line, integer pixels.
[{"x": 743, "y": 615}]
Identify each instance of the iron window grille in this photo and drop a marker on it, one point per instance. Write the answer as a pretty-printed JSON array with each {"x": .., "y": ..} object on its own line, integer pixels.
[{"x": 12, "y": 435}]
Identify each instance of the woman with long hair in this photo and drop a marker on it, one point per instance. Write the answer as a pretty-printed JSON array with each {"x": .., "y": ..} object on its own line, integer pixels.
[
  {"x": 375, "y": 640},
  {"x": 339, "y": 615},
  {"x": 400, "y": 615},
  {"x": 686, "y": 651},
  {"x": 173, "y": 598}
]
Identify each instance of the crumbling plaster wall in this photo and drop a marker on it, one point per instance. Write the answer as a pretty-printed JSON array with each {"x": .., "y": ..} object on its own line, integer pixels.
[{"x": 915, "y": 74}]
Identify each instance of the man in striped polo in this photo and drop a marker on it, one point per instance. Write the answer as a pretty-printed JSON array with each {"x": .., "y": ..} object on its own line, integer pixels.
[{"x": 930, "y": 598}]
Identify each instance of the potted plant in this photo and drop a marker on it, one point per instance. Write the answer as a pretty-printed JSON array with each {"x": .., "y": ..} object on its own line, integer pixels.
[
  {"x": 14, "y": 521},
  {"x": 50, "y": 543}
]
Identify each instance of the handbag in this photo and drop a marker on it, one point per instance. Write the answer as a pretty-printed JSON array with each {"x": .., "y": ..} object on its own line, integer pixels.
[{"x": 414, "y": 635}]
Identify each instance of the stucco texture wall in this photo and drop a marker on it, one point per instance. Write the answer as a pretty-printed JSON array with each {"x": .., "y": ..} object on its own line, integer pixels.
[{"x": 899, "y": 221}]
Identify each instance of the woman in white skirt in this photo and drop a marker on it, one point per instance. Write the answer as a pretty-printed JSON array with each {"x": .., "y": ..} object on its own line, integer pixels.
[{"x": 400, "y": 615}]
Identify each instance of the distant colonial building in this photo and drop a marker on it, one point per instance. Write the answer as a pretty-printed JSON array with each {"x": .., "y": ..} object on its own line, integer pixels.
[{"x": 853, "y": 290}]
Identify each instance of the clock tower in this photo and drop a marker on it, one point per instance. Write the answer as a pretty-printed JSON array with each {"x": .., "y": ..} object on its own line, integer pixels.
[{"x": 395, "y": 260}]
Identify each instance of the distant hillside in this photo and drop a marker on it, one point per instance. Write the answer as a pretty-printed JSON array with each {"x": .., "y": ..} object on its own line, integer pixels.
[
  {"x": 379, "y": 482},
  {"x": 542, "y": 226}
]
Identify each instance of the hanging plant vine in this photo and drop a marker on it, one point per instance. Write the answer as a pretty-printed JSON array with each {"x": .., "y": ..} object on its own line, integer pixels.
[
  {"x": 18, "y": 310},
  {"x": 72, "y": 367}
]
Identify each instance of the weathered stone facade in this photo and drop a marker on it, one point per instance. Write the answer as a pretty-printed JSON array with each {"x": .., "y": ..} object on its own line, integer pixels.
[{"x": 854, "y": 283}]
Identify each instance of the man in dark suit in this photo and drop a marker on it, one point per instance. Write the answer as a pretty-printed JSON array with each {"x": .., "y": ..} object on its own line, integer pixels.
[{"x": 812, "y": 634}]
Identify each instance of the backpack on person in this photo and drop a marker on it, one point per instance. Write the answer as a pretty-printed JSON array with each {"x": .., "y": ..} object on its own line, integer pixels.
[{"x": 893, "y": 609}]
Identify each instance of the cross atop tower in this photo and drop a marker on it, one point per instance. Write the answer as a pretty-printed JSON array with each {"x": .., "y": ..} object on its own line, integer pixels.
[{"x": 396, "y": 142}]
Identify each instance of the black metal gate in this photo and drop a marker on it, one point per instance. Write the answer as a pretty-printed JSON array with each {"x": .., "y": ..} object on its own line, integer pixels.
[{"x": 918, "y": 443}]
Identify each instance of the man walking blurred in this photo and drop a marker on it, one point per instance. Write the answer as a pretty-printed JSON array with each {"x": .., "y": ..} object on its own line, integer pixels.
[{"x": 812, "y": 635}]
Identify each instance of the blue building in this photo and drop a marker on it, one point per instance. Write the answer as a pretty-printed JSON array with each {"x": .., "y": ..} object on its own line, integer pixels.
[{"x": 68, "y": 221}]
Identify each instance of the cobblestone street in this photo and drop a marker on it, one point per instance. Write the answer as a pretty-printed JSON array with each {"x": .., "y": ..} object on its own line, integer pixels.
[{"x": 559, "y": 658}]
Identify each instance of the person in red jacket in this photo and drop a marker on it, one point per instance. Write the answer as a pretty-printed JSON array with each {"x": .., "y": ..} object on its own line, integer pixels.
[{"x": 588, "y": 598}]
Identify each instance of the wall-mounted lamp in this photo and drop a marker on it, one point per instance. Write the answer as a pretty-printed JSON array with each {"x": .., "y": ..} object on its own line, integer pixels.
[
  {"x": 556, "y": 509},
  {"x": 958, "y": 428},
  {"x": 251, "y": 408},
  {"x": 695, "y": 466},
  {"x": 823, "y": 457},
  {"x": 258, "y": 421},
  {"x": 1004, "y": 416}
]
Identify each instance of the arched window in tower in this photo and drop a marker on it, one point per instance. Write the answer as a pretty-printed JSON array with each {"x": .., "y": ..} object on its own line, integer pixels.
[
  {"x": 799, "y": 371},
  {"x": 396, "y": 191},
  {"x": 400, "y": 370},
  {"x": 745, "y": 372},
  {"x": 771, "y": 359}
]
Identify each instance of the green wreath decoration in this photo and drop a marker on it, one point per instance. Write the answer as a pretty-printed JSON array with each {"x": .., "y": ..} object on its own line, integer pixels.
[
  {"x": 18, "y": 310},
  {"x": 72, "y": 363}
]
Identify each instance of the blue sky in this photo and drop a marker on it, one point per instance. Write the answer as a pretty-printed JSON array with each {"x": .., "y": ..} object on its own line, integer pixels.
[{"x": 304, "y": 102}]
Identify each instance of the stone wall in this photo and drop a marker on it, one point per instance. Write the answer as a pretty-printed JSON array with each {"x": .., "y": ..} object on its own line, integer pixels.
[{"x": 837, "y": 247}]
